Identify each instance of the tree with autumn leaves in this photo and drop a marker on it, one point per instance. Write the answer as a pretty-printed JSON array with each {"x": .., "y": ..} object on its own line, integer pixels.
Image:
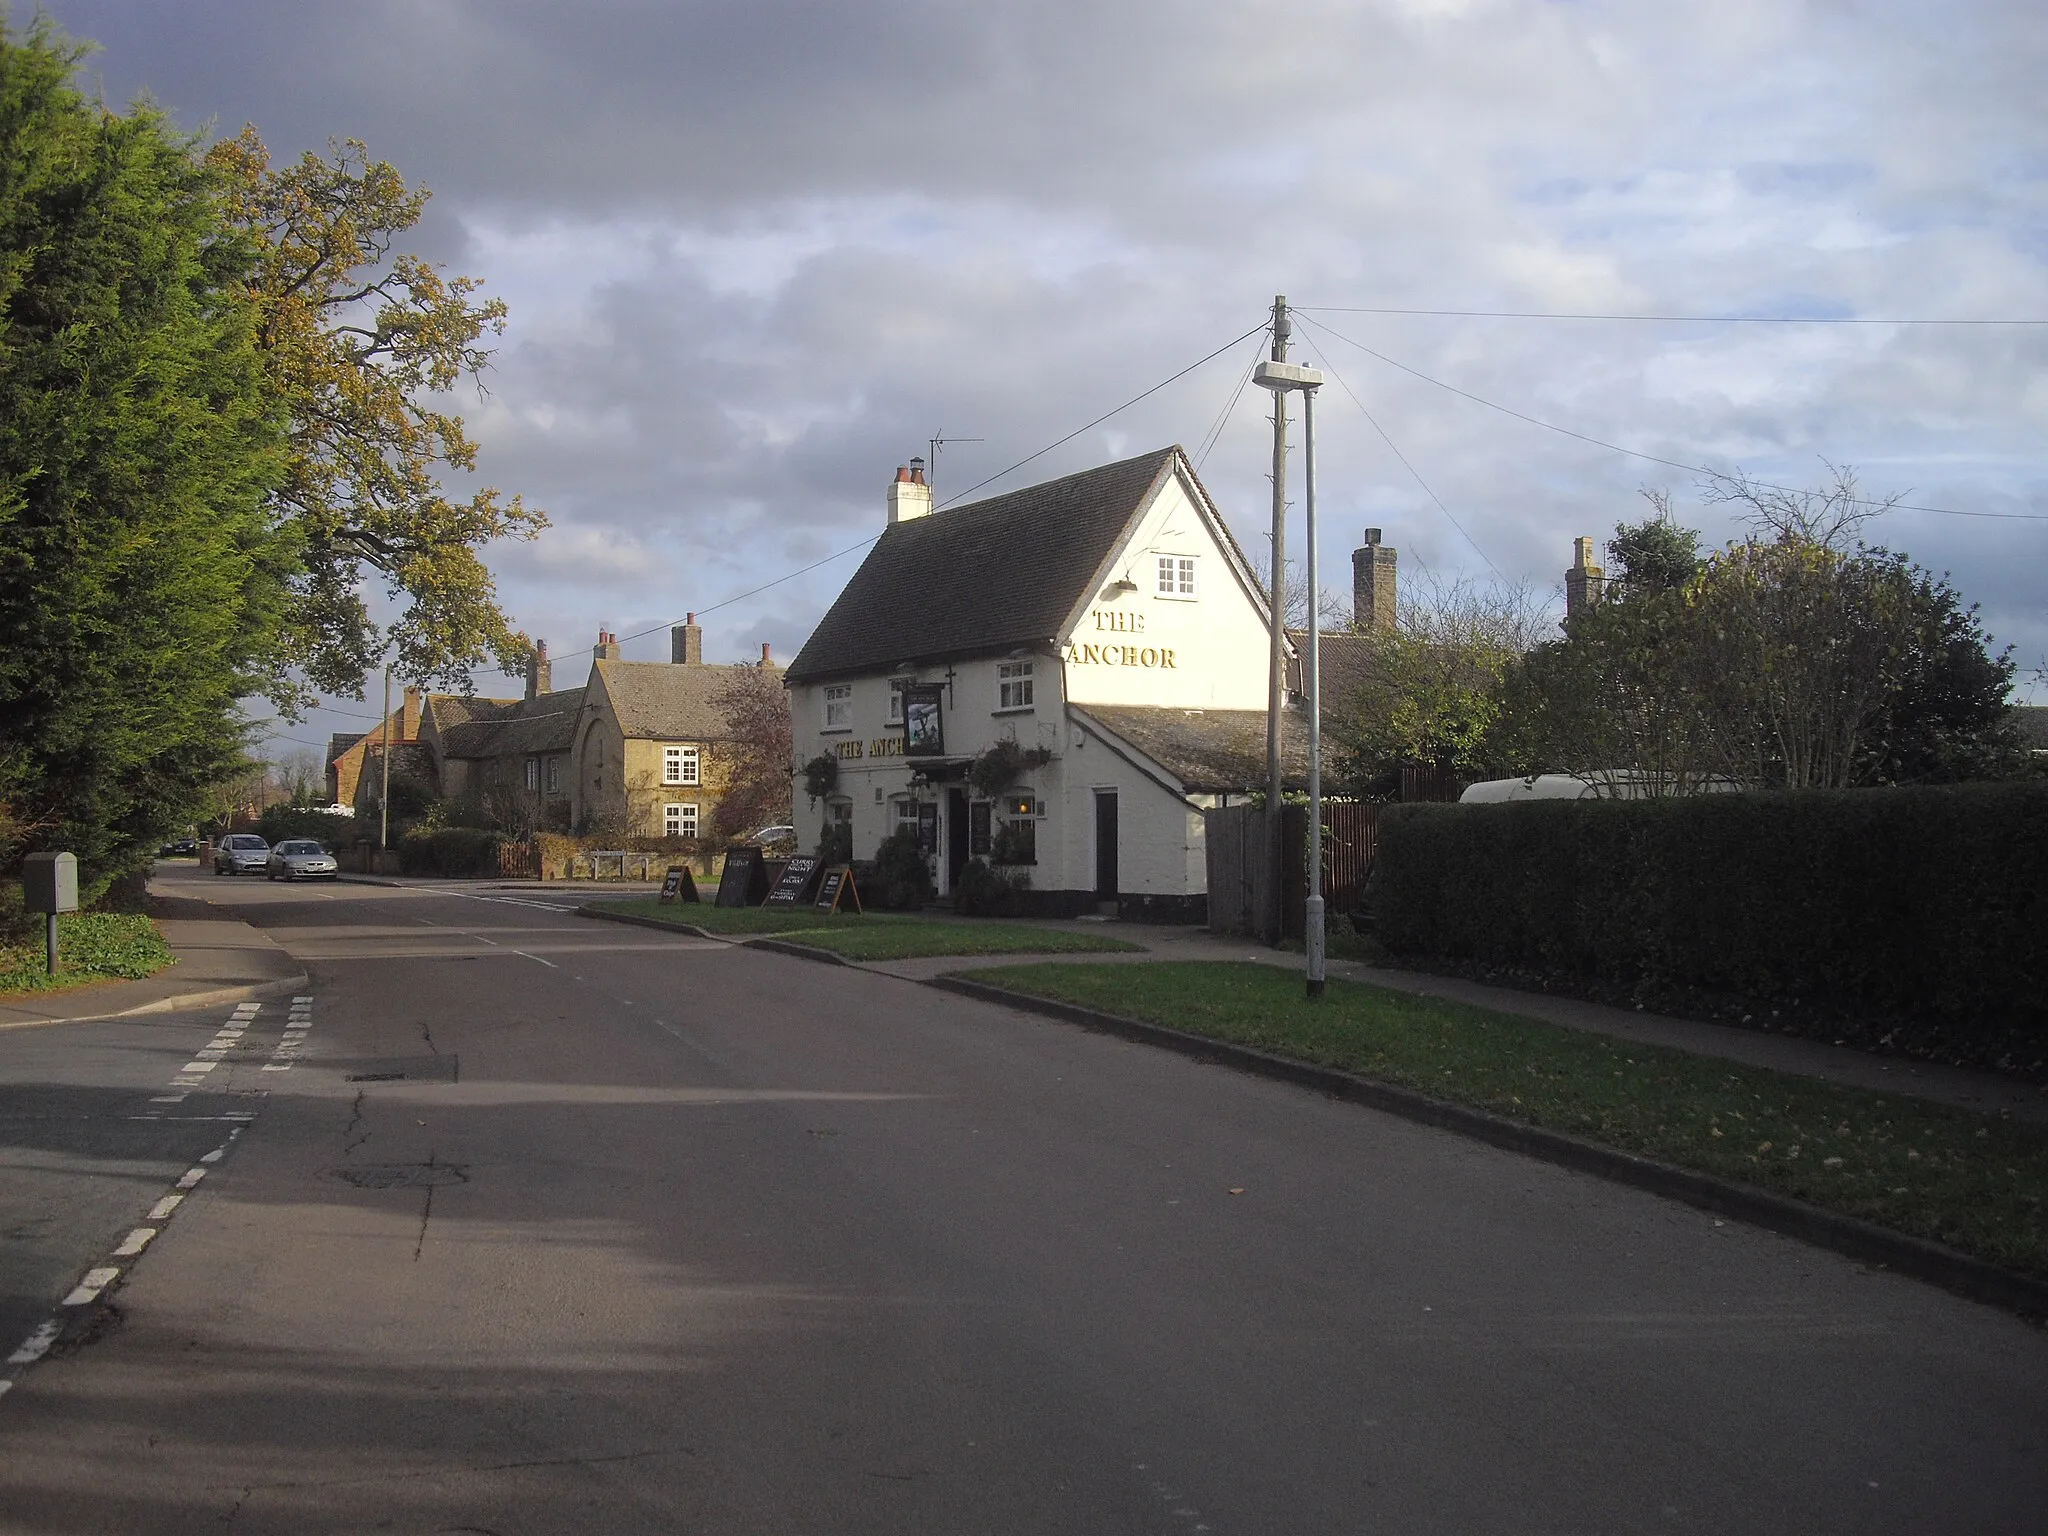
[{"x": 217, "y": 423}]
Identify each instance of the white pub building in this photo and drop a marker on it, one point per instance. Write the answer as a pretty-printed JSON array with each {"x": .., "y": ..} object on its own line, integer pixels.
[{"x": 1106, "y": 624}]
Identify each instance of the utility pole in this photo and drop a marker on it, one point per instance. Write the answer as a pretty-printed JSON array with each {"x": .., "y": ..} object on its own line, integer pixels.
[
  {"x": 1272, "y": 919},
  {"x": 384, "y": 798}
]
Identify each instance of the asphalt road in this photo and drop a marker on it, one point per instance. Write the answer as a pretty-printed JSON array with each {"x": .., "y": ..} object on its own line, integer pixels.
[{"x": 550, "y": 1225}]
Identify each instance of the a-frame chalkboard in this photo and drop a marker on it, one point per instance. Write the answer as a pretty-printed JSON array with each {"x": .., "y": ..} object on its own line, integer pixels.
[
  {"x": 744, "y": 881},
  {"x": 836, "y": 892},
  {"x": 679, "y": 884}
]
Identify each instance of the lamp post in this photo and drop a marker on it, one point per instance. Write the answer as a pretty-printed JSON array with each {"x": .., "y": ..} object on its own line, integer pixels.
[{"x": 1280, "y": 378}]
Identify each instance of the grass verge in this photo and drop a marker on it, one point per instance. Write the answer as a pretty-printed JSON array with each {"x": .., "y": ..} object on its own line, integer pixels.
[
  {"x": 878, "y": 935},
  {"x": 1971, "y": 1181},
  {"x": 91, "y": 946}
]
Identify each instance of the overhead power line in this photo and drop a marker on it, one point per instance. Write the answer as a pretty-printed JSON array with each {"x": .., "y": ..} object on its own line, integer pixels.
[
  {"x": 1695, "y": 469},
  {"x": 1529, "y": 314}
]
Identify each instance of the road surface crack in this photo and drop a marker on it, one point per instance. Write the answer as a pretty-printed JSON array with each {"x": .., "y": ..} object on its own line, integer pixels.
[
  {"x": 355, "y": 1118},
  {"x": 426, "y": 1212}
]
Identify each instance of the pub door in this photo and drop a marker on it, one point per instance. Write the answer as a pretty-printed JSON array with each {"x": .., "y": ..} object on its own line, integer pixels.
[
  {"x": 1105, "y": 845},
  {"x": 956, "y": 837}
]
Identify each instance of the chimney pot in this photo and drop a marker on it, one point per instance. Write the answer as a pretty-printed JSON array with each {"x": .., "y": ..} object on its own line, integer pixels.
[
  {"x": 909, "y": 497},
  {"x": 1374, "y": 567}
]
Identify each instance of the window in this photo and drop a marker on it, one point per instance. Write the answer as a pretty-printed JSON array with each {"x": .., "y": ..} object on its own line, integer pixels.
[
  {"x": 554, "y": 775},
  {"x": 679, "y": 820},
  {"x": 839, "y": 707},
  {"x": 896, "y": 686},
  {"x": 679, "y": 765},
  {"x": 1176, "y": 575},
  {"x": 979, "y": 831},
  {"x": 533, "y": 773},
  {"x": 904, "y": 813},
  {"x": 1013, "y": 685}
]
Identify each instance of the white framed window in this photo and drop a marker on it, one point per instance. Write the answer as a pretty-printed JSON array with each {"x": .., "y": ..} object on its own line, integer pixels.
[
  {"x": 679, "y": 820},
  {"x": 1176, "y": 576},
  {"x": 839, "y": 707},
  {"x": 679, "y": 765},
  {"x": 904, "y": 813},
  {"x": 533, "y": 773},
  {"x": 896, "y": 701},
  {"x": 1013, "y": 685}
]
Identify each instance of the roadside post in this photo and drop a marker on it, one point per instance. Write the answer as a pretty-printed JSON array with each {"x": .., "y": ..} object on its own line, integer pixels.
[
  {"x": 1280, "y": 377},
  {"x": 49, "y": 884}
]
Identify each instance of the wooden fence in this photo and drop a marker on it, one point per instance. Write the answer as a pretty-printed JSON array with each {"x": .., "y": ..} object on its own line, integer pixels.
[{"x": 1241, "y": 872}]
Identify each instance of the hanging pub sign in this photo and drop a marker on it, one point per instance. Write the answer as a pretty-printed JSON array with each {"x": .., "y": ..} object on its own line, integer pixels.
[
  {"x": 793, "y": 886},
  {"x": 679, "y": 884},
  {"x": 923, "y": 733},
  {"x": 744, "y": 881},
  {"x": 836, "y": 892}
]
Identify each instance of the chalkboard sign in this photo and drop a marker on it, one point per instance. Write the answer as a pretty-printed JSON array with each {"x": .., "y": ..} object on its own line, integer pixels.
[
  {"x": 679, "y": 884},
  {"x": 836, "y": 891},
  {"x": 744, "y": 881},
  {"x": 793, "y": 885}
]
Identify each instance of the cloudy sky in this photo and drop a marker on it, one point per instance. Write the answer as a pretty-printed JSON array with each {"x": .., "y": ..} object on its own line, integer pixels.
[{"x": 756, "y": 254}]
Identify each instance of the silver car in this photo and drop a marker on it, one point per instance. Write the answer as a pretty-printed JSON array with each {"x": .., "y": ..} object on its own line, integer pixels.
[
  {"x": 240, "y": 853},
  {"x": 301, "y": 859}
]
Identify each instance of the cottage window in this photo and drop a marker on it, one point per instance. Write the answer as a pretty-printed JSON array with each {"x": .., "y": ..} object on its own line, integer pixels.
[
  {"x": 679, "y": 765},
  {"x": 839, "y": 707},
  {"x": 679, "y": 820},
  {"x": 1013, "y": 685},
  {"x": 533, "y": 773},
  {"x": 554, "y": 775},
  {"x": 1176, "y": 575}
]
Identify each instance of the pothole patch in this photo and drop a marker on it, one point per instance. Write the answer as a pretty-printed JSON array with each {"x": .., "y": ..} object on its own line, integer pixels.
[{"x": 403, "y": 1175}]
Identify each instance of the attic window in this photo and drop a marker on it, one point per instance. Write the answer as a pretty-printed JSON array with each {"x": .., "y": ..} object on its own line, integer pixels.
[
  {"x": 1176, "y": 576},
  {"x": 679, "y": 765}
]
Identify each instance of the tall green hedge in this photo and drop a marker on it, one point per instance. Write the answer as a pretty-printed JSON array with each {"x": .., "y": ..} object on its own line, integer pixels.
[
  {"x": 1857, "y": 910},
  {"x": 450, "y": 851}
]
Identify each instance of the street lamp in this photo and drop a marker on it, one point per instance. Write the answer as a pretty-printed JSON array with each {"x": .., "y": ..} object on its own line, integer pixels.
[{"x": 1281, "y": 377}]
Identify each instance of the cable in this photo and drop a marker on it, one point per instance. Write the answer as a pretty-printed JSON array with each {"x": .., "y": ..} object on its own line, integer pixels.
[
  {"x": 1215, "y": 433},
  {"x": 1524, "y": 314},
  {"x": 1432, "y": 495},
  {"x": 864, "y": 543},
  {"x": 1696, "y": 469}
]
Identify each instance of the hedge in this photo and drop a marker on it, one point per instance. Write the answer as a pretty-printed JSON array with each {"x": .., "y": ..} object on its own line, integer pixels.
[
  {"x": 451, "y": 851},
  {"x": 1914, "y": 918}
]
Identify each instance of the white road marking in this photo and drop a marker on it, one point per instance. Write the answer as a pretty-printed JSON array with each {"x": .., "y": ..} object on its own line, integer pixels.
[
  {"x": 190, "y": 1177},
  {"x": 214, "y": 1156},
  {"x": 273, "y": 1066},
  {"x": 37, "y": 1344},
  {"x": 196, "y": 1066},
  {"x": 88, "y": 1291},
  {"x": 168, "y": 1098},
  {"x": 161, "y": 1211},
  {"x": 135, "y": 1242},
  {"x": 525, "y": 956}
]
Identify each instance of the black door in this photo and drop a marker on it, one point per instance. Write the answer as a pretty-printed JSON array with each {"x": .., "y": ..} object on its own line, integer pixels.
[
  {"x": 956, "y": 836},
  {"x": 1105, "y": 844}
]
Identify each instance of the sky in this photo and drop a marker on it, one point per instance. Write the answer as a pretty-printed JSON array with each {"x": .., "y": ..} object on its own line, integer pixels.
[{"x": 757, "y": 255}]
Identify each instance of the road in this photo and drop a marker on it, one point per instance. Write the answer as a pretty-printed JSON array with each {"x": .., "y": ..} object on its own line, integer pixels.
[{"x": 550, "y": 1225}]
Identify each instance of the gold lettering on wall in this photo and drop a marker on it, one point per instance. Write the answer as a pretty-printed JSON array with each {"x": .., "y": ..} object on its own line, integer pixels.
[
  {"x": 848, "y": 749},
  {"x": 1082, "y": 653},
  {"x": 1119, "y": 621},
  {"x": 885, "y": 746}
]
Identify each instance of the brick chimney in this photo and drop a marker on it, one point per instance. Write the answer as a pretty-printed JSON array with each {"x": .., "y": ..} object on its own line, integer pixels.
[
  {"x": 607, "y": 647},
  {"x": 540, "y": 675},
  {"x": 765, "y": 661},
  {"x": 909, "y": 496},
  {"x": 1372, "y": 584},
  {"x": 409, "y": 722},
  {"x": 686, "y": 642},
  {"x": 1583, "y": 582}
]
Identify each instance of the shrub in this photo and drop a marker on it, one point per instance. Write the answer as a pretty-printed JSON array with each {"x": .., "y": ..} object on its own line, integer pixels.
[
  {"x": 901, "y": 880},
  {"x": 821, "y": 775},
  {"x": 984, "y": 892},
  {"x": 1015, "y": 842},
  {"x": 1909, "y": 917},
  {"x": 835, "y": 842},
  {"x": 332, "y": 830}
]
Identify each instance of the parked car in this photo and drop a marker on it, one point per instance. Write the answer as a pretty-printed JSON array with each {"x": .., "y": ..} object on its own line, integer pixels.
[
  {"x": 240, "y": 853},
  {"x": 183, "y": 848},
  {"x": 301, "y": 858},
  {"x": 776, "y": 839}
]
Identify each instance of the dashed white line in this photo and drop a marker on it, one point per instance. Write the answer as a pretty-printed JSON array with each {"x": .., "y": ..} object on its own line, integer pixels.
[
  {"x": 134, "y": 1242},
  {"x": 161, "y": 1211},
  {"x": 37, "y": 1344},
  {"x": 190, "y": 1177},
  {"x": 95, "y": 1281},
  {"x": 525, "y": 956}
]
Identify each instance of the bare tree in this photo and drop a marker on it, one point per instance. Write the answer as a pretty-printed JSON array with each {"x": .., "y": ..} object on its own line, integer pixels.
[
  {"x": 1331, "y": 607},
  {"x": 1830, "y": 517}
]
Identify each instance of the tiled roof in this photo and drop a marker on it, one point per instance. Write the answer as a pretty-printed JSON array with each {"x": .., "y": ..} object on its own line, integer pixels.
[
  {"x": 1208, "y": 750},
  {"x": 521, "y": 728},
  {"x": 657, "y": 700},
  {"x": 453, "y": 709},
  {"x": 984, "y": 577},
  {"x": 1348, "y": 664}
]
